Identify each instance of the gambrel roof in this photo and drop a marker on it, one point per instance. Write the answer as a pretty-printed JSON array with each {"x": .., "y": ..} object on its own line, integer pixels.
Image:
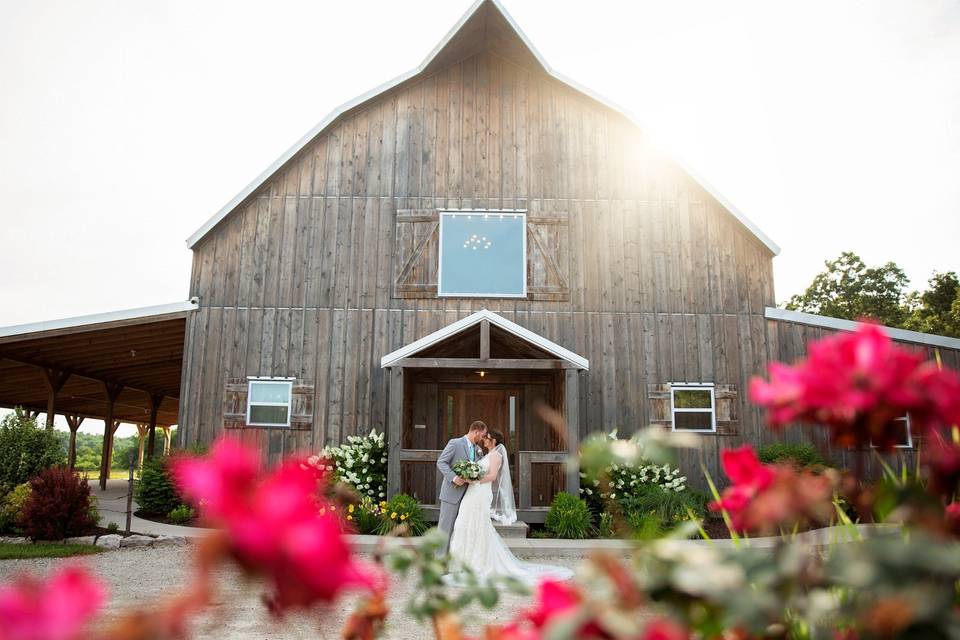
[{"x": 485, "y": 25}]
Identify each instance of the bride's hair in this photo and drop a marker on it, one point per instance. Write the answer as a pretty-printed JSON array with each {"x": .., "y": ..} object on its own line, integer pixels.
[{"x": 496, "y": 436}]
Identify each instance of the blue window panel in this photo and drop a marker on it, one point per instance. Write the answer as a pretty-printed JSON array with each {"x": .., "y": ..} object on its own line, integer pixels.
[{"x": 483, "y": 255}]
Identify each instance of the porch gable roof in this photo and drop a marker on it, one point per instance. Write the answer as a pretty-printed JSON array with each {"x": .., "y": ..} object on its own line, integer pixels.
[{"x": 474, "y": 319}]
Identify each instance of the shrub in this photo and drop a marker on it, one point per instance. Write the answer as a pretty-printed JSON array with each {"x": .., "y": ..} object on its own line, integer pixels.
[
  {"x": 155, "y": 491},
  {"x": 181, "y": 514},
  {"x": 621, "y": 481},
  {"x": 568, "y": 517},
  {"x": 362, "y": 464},
  {"x": 364, "y": 516},
  {"x": 652, "y": 511},
  {"x": 11, "y": 507},
  {"x": 605, "y": 525},
  {"x": 26, "y": 449},
  {"x": 58, "y": 506},
  {"x": 402, "y": 509},
  {"x": 113, "y": 527},
  {"x": 802, "y": 455}
]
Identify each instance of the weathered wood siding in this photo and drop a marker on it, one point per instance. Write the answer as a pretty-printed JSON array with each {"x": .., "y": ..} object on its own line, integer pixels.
[{"x": 664, "y": 284}]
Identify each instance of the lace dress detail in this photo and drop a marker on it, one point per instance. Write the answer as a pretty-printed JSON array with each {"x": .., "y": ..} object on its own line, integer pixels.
[{"x": 475, "y": 543}]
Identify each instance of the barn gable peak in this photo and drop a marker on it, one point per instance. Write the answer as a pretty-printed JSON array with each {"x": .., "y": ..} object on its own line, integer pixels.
[{"x": 486, "y": 26}]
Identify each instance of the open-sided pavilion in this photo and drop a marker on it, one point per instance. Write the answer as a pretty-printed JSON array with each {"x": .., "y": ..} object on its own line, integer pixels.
[{"x": 118, "y": 367}]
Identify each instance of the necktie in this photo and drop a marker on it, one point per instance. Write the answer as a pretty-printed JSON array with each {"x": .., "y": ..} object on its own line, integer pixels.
[{"x": 472, "y": 451}]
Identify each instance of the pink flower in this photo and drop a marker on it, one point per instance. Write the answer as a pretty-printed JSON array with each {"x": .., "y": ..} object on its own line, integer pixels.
[
  {"x": 763, "y": 497},
  {"x": 56, "y": 609},
  {"x": 553, "y": 598},
  {"x": 942, "y": 462},
  {"x": 858, "y": 384},
  {"x": 276, "y": 525},
  {"x": 665, "y": 629}
]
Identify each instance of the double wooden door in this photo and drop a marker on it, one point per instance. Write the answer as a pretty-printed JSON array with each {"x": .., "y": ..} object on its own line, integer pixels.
[{"x": 504, "y": 408}]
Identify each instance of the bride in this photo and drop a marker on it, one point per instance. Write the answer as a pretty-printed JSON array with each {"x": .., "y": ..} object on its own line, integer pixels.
[{"x": 475, "y": 543}]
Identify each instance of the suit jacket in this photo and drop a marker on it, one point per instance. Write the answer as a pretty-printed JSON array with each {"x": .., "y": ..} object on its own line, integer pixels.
[{"x": 456, "y": 450}]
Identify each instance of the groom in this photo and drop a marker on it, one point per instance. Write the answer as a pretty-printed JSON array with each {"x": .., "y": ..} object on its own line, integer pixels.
[{"x": 453, "y": 486}]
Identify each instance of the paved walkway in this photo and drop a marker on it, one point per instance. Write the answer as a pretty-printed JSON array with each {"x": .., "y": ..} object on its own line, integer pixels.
[{"x": 112, "y": 504}]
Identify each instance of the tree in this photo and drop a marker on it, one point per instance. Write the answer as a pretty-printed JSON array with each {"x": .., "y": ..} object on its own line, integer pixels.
[
  {"x": 25, "y": 450},
  {"x": 850, "y": 289},
  {"x": 936, "y": 310}
]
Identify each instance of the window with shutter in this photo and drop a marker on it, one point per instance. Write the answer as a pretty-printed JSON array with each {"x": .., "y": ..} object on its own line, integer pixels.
[
  {"x": 265, "y": 403},
  {"x": 534, "y": 265},
  {"x": 698, "y": 408}
]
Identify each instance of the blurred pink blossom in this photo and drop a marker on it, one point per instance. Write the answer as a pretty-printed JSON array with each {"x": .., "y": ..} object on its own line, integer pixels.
[
  {"x": 58, "y": 608},
  {"x": 276, "y": 524}
]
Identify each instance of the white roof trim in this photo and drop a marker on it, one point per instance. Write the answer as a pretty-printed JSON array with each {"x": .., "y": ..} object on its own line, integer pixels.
[
  {"x": 498, "y": 320},
  {"x": 142, "y": 313},
  {"x": 339, "y": 111},
  {"x": 801, "y": 317}
]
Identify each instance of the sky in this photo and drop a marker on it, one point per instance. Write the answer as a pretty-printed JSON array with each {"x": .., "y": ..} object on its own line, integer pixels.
[{"x": 125, "y": 124}]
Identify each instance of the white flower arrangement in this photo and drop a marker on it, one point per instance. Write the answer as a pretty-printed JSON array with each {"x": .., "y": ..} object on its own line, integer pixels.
[
  {"x": 623, "y": 479},
  {"x": 361, "y": 463}
]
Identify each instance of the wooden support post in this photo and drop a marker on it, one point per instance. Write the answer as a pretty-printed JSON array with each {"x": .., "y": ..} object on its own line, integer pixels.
[
  {"x": 394, "y": 430},
  {"x": 74, "y": 423},
  {"x": 484, "y": 339},
  {"x": 155, "y": 400},
  {"x": 141, "y": 441},
  {"x": 112, "y": 392},
  {"x": 130, "y": 492},
  {"x": 571, "y": 414},
  {"x": 55, "y": 380},
  {"x": 166, "y": 438}
]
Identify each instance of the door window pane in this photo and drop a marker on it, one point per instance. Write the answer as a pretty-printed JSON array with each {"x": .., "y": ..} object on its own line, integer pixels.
[{"x": 483, "y": 254}]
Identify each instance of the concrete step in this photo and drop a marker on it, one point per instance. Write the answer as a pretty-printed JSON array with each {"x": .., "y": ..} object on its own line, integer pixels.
[{"x": 516, "y": 530}]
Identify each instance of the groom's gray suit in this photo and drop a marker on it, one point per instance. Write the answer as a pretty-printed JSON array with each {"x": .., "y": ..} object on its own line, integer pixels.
[{"x": 451, "y": 494}]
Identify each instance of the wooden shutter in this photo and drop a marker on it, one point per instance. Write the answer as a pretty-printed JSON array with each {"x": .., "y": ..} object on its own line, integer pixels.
[
  {"x": 418, "y": 253},
  {"x": 725, "y": 396},
  {"x": 659, "y": 403},
  {"x": 548, "y": 241},
  {"x": 235, "y": 405},
  {"x": 301, "y": 406}
]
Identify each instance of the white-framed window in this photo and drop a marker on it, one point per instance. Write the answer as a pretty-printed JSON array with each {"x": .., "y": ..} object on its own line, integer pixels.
[
  {"x": 904, "y": 433},
  {"x": 268, "y": 402},
  {"x": 483, "y": 254},
  {"x": 693, "y": 407}
]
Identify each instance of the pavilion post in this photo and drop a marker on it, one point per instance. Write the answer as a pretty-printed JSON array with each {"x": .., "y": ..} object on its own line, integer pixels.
[
  {"x": 155, "y": 400},
  {"x": 73, "y": 422},
  {"x": 141, "y": 441},
  {"x": 55, "y": 380},
  {"x": 112, "y": 392}
]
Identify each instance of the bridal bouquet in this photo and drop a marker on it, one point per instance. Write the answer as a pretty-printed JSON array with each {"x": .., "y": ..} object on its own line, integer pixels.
[{"x": 467, "y": 470}]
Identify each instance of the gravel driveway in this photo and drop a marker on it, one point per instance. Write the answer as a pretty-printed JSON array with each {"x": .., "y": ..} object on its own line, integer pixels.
[{"x": 142, "y": 576}]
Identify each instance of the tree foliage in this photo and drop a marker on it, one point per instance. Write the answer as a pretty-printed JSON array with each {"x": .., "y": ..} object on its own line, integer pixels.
[
  {"x": 850, "y": 289},
  {"x": 25, "y": 450}
]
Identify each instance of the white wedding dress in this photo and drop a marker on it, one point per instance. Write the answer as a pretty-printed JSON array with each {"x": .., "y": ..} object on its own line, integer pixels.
[{"x": 476, "y": 545}]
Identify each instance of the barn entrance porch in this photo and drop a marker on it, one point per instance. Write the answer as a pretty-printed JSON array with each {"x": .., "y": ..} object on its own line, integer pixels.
[{"x": 485, "y": 367}]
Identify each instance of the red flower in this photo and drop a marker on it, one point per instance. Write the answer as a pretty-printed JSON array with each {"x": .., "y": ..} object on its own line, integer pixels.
[
  {"x": 859, "y": 383},
  {"x": 276, "y": 525},
  {"x": 952, "y": 517},
  {"x": 665, "y": 629},
  {"x": 764, "y": 497},
  {"x": 56, "y": 609},
  {"x": 942, "y": 461},
  {"x": 553, "y": 598}
]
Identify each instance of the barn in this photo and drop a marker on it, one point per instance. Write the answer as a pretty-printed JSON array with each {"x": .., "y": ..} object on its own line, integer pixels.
[{"x": 480, "y": 238}]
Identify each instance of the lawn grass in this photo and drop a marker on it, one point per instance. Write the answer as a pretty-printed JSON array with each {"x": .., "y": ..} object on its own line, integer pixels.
[{"x": 10, "y": 551}]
